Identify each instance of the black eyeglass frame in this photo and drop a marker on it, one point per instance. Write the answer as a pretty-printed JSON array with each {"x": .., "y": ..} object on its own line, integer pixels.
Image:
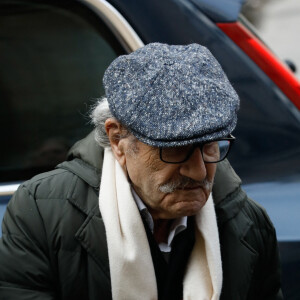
[{"x": 230, "y": 138}]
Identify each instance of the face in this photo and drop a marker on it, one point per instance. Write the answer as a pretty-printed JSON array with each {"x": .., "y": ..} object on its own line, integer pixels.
[{"x": 168, "y": 190}]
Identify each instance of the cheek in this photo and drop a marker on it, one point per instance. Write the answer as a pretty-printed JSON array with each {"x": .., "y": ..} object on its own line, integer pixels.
[
  {"x": 146, "y": 177},
  {"x": 210, "y": 171},
  {"x": 153, "y": 171},
  {"x": 138, "y": 171},
  {"x": 135, "y": 170}
]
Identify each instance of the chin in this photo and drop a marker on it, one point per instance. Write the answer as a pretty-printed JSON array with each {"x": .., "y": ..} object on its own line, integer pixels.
[
  {"x": 189, "y": 206},
  {"x": 185, "y": 202}
]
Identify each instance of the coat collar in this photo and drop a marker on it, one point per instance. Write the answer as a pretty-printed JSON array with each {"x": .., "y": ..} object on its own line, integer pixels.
[{"x": 89, "y": 151}]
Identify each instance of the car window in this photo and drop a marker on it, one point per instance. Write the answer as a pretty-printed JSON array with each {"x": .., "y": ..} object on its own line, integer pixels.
[{"x": 52, "y": 63}]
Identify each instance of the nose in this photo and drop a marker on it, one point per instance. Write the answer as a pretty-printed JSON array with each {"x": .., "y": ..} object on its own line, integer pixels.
[{"x": 194, "y": 167}]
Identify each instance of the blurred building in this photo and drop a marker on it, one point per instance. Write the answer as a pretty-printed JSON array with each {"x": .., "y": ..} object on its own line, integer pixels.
[{"x": 278, "y": 23}]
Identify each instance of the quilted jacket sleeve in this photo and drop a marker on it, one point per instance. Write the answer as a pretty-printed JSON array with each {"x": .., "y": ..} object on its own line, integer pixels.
[
  {"x": 25, "y": 271},
  {"x": 267, "y": 274},
  {"x": 270, "y": 287},
  {"x": 272, "y": 283}
]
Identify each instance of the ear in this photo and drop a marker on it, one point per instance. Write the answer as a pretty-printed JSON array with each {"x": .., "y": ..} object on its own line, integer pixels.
[{"x": 114, "y": 130}]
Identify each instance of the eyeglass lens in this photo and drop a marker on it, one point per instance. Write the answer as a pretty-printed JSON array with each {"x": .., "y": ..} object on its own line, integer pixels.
[{"x": 211, "y": 152}]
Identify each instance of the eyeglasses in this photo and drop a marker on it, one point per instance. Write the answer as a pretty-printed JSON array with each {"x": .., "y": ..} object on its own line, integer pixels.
[{"x": 212, "y": 152}]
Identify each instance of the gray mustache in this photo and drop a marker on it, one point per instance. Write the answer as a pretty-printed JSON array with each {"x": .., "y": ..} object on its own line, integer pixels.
[{"x": 182, "y": 183}]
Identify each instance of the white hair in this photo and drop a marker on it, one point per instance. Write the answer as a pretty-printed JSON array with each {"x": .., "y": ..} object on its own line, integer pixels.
[{"x": 100, "y": 112}]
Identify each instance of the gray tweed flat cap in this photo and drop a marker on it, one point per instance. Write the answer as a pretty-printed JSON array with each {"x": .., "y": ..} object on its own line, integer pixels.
[{"x": 171, "y": 95}]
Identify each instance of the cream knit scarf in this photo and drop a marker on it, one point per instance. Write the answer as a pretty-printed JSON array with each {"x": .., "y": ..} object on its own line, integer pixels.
[{"x": 131, "y": 268}]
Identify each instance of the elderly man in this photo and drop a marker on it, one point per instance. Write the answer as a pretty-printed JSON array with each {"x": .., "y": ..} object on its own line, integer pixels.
[{"x": 155, "y": 212}]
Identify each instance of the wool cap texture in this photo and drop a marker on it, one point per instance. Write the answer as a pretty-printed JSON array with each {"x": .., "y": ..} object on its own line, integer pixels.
[{"x": 171, "y": 95}]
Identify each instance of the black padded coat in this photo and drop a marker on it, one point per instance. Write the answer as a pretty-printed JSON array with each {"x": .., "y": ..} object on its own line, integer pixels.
[{"x": 54, "y": 244}]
